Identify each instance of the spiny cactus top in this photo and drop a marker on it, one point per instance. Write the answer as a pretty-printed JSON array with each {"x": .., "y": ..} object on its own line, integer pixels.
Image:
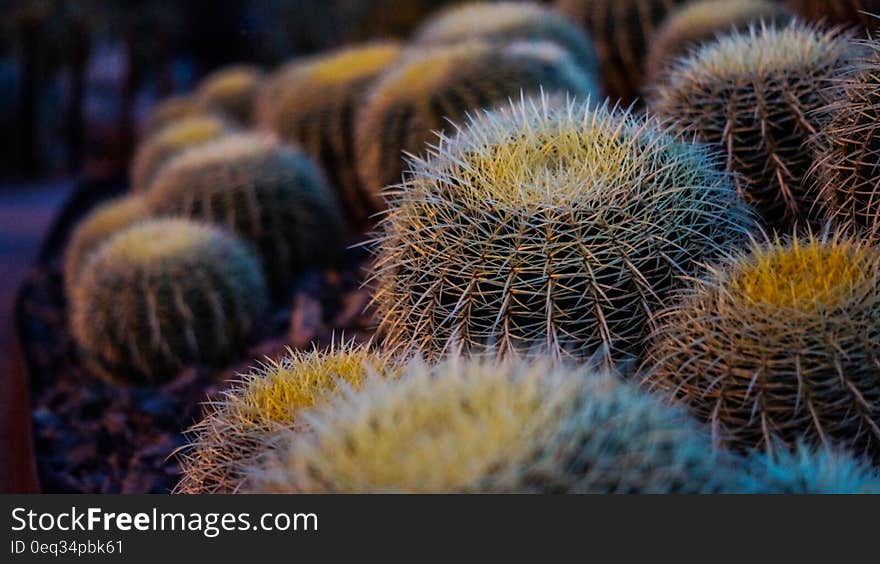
[
  {"x": 782, "y": 343},
  {"x": 696, "y": 23},
  {"x": 860, "y": 13},
  {"x": 508, "y": 21},
  {"x": 549, "y": 226},
  {"x": 267, "y": 400},
  {"x": 169, "y": 111},
  {"x": 313, "y": 102},
  {"x": 622, "y": 31},
  {"x": 435, "y": 86},
  {"x": 847, "y": 170},
  {"x": 477, "y": 426},
  {"x": 230, "y": 92},
  {"x": 164, "y": 293},
  {"x": 102, "y": 223},
  {"x": 155, "y": 151},
  {"x": 271, "y": 194},
  {"x": 810, "y": 470},
  {"x": 754, "y": 95}
]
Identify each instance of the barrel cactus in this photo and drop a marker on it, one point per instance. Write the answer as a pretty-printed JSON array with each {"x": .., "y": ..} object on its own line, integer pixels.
[
  {"x": 695, "y": 23},
  {"x": 162, "y": 294},
  {"x": 313, "y": 102},
  {"x": 230, "y": 92},
  {"x": 622, "y": 31},
  {"x": 267, "y": 400},
  {"x": 169, "y": 111},
  {"x": 563, "y": 228},
  {"x": 847, "y": 170},
  {"x": 808, "y": 470},
  {"x": 155, "y": 151},
  {"x": 480, "y": 427},
  {"x": 755, "y": 95},
  {"x": 505, "y": 22},
  {"x": 270, "y": 194},
  {"x": 102, "y": 223},
  {"x": 436, "y": 85},
  {"x": 781, "y": 344}
]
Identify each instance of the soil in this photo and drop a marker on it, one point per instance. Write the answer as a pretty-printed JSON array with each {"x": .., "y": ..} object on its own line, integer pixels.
[{"x": 94, "y": 436}]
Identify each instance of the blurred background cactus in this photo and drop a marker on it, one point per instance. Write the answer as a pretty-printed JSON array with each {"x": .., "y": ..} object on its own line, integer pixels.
[
  {"x": 691, "y": 25},
  {"x": 563, "y": 228},
  {"x": 780, "y": 344},
  {"x": 272, "y": 195},
  {"x": 162, "y": 294},
  {"x": 432, "y": 88},
  {"x": 756, "y": 96},
  {"x": 847, "y": 168},
  {"x": 155, "y": 151},
  {"x": 811, "y": 470},
  {"x": 313, "y": 102},
  {"x": 230, "y": 92},
  {"x": 622, "y": 30},
  {"x": 861, "y": 14},
  {"x": 268, "y": 400},
  {"x": 515, "y": 427}
]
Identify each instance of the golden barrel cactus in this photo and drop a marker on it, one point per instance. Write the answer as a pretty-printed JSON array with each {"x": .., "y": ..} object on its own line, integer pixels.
[
  {"x": 313, "y": 102},
  {"x": 230, "y": 92},
  {"x": 269, "y": 399},
  {"x": 780, "y": 344},
  {"x": 549, "y": 226},
  {"x": 432, "y": 88},
  {"x": 755, "y": 96},
  {"x": 169, "y": 111}
]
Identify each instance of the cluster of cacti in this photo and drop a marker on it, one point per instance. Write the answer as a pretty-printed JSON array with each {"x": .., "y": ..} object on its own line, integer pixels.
[
  {"x": 780, "y": 344},
  {"x": 549, "y": 227},
  {"x": 434, "y": 86},
  {"x": 505, "y": 22},
  {"x": 157, "y": 149},
  {"x": 164, "y": 293},
  {"x": 847, "y": 168},
  {"x": 270, "y": 194},
  {"x": 859, "y": 13},
  {"x": 477, "y": 426},
  {"x": 101, "y": 224},
  {"x": 168, "y": 111},
  {"x": 230, "y": 92},
  {"x": 313, "y": 103},
  {"x": 241, "y": 425},
  {"x": 622, "y": 31},
  {"x": 755, "y": 95},
  {"x": 696, "y": 23},
  {"x": 809, "y": 470}
]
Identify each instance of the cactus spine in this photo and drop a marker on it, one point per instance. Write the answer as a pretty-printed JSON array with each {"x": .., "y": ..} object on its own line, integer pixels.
[
  {"x": 563, "y": 228},
  {"x": 162, "y": 294}
]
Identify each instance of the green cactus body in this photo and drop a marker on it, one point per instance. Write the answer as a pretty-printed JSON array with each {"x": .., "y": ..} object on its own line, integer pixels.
[
  {"x": 266, "y": 401},
  {"x": 163, "y": 294},
  {"x": 230, "y": 92},
  {"x": 313, "y": 102},
  {"x": 434, "y": 87},
  {"x": 169, "y": 111},
  {"x": 755, "y": 96},
  {"x": 270, "y": 194},
  {"x": 782, "y": 344},
  {"x": 505, "y": 22},
  {"x": 847, "y": 170},
  {"x": 472, "y": 426},
  {"x": 102, "y": 223},
  {"x": 155, "y": 151},
  {"x": 696, "y": 23},
  {"x": 548, "y": 226},
  {"x": 622, "y": 30}
]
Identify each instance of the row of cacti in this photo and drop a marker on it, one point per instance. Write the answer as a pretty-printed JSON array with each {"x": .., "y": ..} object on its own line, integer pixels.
[{"x": 550, "y": 227}]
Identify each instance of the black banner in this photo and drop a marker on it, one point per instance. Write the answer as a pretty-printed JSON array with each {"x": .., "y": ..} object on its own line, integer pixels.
[{"x": 253, "y": 529}]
